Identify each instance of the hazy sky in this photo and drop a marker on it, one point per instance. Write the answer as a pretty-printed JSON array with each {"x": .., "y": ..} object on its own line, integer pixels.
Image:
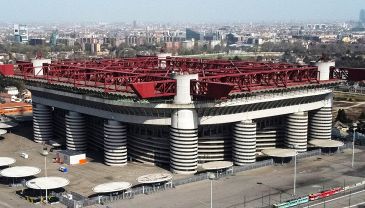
[{"x": 194, "y": 11}]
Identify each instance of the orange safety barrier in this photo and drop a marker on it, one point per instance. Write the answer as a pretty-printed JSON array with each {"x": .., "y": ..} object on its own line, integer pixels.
[
  {"x": 15, "y": 108},
  {"x": 82, "y": 161}
]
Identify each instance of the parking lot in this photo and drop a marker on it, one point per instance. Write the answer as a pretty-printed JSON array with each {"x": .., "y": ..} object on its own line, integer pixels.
[
  {"x": 254, "y": 188},
  {"x": 82, "y": 177},
  {"x": 260, "y": 187}
]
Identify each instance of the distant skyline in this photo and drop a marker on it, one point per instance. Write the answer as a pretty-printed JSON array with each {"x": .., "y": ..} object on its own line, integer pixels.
[{"x": 179, "y": 11}]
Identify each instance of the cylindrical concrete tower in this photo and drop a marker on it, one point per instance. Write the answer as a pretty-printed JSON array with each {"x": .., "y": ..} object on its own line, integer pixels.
[
  {"x": 75, "y": 132},
  {"x": 184, "y": 129},
  {"x": 115, "y": 143},
  {"x": 38, "y": 65},
  {"x": 324, "y": 69},
  {"x": 184, "y": 141},
  {"x": 42, "y": 123},
  {"x": 244, "y": 143},
  {"x": 183, "y": 87},
  {"x": 320, "y": 123},
  {"x": 297, "y": 131}
]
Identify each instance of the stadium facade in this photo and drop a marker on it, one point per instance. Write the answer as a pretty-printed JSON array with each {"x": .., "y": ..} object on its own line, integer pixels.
[{"x": 180, "y": 112}]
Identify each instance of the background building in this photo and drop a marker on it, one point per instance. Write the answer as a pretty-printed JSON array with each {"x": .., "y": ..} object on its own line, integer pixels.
[
  {"x": 192, "y": 35},
  {"x": 54, "y": 37},
  {"x": 362, "y": 16},
  {"x": 21, "y": 33}
]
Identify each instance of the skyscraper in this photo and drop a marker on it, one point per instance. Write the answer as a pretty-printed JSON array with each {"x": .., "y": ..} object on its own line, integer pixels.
[
  {"x": 362, "y": 16},
  {"x": 54, "y": 37},
  {"x": 21, "y": 33}
]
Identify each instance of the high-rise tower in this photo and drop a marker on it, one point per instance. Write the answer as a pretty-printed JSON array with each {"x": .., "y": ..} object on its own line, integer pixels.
[{"x": 362, "y": 16}]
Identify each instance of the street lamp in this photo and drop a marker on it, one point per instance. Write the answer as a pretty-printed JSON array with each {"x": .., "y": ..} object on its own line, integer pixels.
[
  {"x": 295, "y": 167},
  {"x": 45, "y": 153},
  {"x": 211, "y": 177},
  {"x": 354, "y": 127}
]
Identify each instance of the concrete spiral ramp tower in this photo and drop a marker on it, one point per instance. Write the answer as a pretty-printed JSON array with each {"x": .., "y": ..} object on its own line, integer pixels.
[
  {"x": 321, "y": 123},
  {"x": 244, "y": 142},
  {"x": 115, "y": 143},
  {"x": 75, "y": 132},
  {"x": 42, "y": 123},
  {"x": 297, "y": 131},
  {"x": 184, "y": 142},
  {"x": 184, "y": 129}
]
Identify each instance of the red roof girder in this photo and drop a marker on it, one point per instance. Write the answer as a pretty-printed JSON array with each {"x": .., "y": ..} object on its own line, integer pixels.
[{"x": 148, "y": 73}]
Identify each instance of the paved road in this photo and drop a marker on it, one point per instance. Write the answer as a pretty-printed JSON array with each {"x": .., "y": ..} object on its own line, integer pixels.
[{"x": 243, "y": 190}]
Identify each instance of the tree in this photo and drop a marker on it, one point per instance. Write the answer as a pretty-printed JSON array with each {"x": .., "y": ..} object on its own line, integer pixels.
[
  {"x": 236, "y": 58},
  {"x": 342, "y": 116},
  {"x": 217, "y": 48},
  {"x": 362, "y": 116},
  {"x": 259, "y": 58},
  {"x": 127, "y": 53},
  {"x": 5, "y": 82}
]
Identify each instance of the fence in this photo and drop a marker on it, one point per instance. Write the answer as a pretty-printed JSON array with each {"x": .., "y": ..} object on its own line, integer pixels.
[
  {"x": 260, "y": 164},
  {"x": 346, "y": 146},
  {"x": 309, "y": 154},
  {"x": 198, "y": 177},
  {"x": 65, "y": 201}
]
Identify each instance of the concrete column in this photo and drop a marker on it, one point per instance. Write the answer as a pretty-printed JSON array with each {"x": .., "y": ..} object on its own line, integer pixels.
[
  {"x": 244, "y": 142},
  {"x": 75, "y": 132},
  {"x": 184, "y": 141},
  {"x": 320, "y": 123},
  {"x": 184, "y": 129},
  {"x": 42, "y": 123},
  {"x": 183, "y": 87},
  {"x": 297, "y": 131},
  {"x": 115, "y": 143},
  {"x": 324, "y": 69}
]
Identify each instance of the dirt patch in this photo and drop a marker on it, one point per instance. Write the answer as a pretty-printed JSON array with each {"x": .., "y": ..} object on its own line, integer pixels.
[
  {"x": 352, "y": 113},
  {"x": 341, "y": 104}
]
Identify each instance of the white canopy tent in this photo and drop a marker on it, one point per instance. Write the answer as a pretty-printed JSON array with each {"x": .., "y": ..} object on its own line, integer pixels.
[
  {"x": 154, "y": 178},
  {"x": 44, "y": 183},
  {"x": 112, "y": 187},
  {"x": 279, "y": 152},
  {"x": 2, "y": 132},
  {"x": 217, "y": 165},
  {"x": 6, "y": 161},
  {"x": 20, "y": 171}
]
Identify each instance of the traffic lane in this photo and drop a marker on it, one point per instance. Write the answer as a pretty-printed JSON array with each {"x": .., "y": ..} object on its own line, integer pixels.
[{"x": 244, "y": 189}]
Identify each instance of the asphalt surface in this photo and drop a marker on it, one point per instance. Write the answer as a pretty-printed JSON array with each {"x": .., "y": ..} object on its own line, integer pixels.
[
  {"x": 263, "y": 186},
  {"x": 254, "y": 188}
]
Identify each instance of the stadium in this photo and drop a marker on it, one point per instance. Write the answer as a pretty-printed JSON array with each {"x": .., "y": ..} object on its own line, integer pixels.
[{"x": 180, "y": 112}]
